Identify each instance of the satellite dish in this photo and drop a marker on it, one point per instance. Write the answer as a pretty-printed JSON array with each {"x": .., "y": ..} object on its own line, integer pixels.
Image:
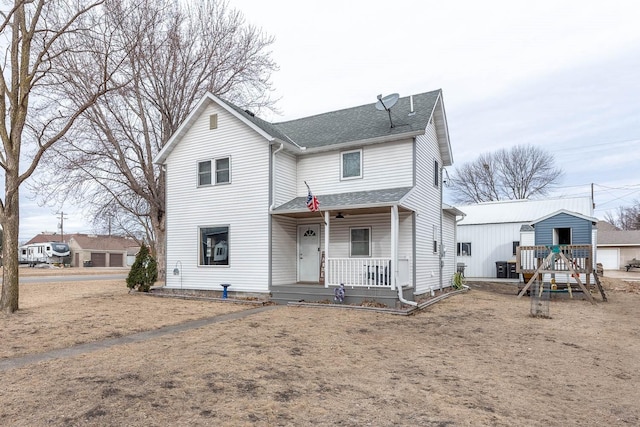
[{"x": 385, "y": 104}]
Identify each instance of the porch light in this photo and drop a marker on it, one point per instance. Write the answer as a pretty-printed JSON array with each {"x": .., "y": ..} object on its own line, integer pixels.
[{"x": 339, "y": 216}]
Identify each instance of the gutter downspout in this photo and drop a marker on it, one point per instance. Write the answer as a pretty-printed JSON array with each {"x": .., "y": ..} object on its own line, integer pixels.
[
  {"x": 273, "y": 176},
  {"x": 455, "y": 241},
  {"x": 394, "y": 255},
  {"x": 441, "y": 243}
]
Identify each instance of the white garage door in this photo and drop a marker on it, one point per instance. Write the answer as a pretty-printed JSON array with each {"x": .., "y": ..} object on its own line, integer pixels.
[{"x": 609, "y": 258}]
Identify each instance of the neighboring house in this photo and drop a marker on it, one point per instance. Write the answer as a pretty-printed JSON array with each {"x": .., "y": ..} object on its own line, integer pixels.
[
  {"x": 47, "y": 236},
  {"x": 237, "y": 202},
  {"x": 487, "y": 237},
  {"x": 90, "y": 250},
  {"x": 617, "y": 247}
]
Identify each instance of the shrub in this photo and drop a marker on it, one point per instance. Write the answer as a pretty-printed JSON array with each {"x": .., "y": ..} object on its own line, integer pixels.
[{"x": 144, "y": 271}]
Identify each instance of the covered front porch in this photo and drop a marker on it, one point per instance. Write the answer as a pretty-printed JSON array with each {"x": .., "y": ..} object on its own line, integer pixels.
[{"x": 368, "y": 248}]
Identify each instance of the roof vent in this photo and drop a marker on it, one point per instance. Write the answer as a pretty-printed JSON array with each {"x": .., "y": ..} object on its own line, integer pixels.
[{"x": 249, "y": 113}]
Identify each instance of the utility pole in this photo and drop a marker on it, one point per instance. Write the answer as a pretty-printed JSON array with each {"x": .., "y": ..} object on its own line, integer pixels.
[{"x": 62, "y": 218}]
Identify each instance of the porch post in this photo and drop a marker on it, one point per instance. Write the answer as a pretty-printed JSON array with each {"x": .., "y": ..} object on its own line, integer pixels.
[
  {"x": 394, "y": 245},
  {"x": 326, "y": 249}
]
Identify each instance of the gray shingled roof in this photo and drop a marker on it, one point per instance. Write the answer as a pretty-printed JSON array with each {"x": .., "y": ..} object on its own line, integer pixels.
[
  {"x": 363, "y": 123},
  {"x": 262, "y": 124},
  {"x": 346, "y": 200},
  {"x": 619, "y": 237},
  {"x": 604, "y": 225},
  {"x": 351, "y": 124}
]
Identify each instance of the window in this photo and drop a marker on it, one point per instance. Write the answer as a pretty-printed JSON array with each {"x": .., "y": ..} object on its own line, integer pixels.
[
  {"x": 464, "y": 249},
  {"x": 214, "y": 245},
  {"x": 435, "y": 239},
  {"x": 360, "y": 242},
  {"x": 204, "y": 173},
  {"x": 222, "y": 173},
  {"x": 436, "y": 173},
  {"x": 351, "y": 165},
  {"x": 515, "y": 246},
  {"x": 223, "y": 168}
]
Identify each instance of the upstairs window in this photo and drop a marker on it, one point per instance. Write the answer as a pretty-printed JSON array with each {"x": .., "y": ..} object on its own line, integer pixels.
[
  {"x": 204, "y": 173},
  {"x": 223, "y": 169},
  {"x": 351, "y": 164},
  {"x": 436, "y": 173},
  {"x": 220, "y": 175}
]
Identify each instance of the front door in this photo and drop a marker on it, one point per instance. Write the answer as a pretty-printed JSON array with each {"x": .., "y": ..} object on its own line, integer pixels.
[{"x": 308, "y": 253}]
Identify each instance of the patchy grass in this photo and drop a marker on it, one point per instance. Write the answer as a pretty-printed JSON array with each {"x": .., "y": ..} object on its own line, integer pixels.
[{"x": 478, "y": 358}]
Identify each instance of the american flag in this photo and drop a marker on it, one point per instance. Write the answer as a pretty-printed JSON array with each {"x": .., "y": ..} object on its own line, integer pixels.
[{"x": 312, "y": 201}]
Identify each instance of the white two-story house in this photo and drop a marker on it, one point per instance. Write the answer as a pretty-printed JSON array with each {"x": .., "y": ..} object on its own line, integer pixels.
[{"x": 237, "y": 210}]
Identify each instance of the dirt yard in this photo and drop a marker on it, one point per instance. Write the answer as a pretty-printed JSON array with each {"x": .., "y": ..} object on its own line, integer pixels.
[{"x": 475, "y": 359}]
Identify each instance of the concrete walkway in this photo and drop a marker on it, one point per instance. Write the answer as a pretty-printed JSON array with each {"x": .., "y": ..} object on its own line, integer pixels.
[{"x": 62, "y": 353}]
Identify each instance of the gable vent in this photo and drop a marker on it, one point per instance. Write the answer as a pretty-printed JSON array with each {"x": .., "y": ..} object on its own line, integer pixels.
[{"x": 213, "y": 121}]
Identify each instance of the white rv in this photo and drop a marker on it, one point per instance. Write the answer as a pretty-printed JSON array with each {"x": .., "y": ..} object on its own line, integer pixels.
[{"x": 44, "y": 253}]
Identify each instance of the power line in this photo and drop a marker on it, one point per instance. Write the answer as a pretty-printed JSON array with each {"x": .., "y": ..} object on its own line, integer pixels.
[{"x": 599, "y": 144}]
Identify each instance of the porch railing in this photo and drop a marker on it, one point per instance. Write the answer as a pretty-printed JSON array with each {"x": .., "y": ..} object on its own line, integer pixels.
[
  {"x": 363, "y": 272},
  {"x": 530, "y": 258}
]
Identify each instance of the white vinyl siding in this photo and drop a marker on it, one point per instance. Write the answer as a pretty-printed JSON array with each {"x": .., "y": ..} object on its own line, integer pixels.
[
  {"x": 449, "y": 242},
  {"x": 489, "y": 243},
  {"x": 243, "y": 206},
  {"x": 286, "y": 177},
  {"x": 384, "y": 166},
  {"x": 425, "y": 201},
  {"x": 284, "y": 250}
]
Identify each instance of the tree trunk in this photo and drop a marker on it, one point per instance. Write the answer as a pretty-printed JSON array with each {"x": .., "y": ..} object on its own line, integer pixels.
[
  {"x": 11, "y": 226},
  {"x": 161, "y": 253},
  {"x": 159, "y": 244}
]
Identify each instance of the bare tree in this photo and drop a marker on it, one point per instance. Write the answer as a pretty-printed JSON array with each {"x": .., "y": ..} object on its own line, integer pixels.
[
  {"x": 522, "y": 172},
  {"x": 178, "y": 53},
  {"x": 625, "y": 217},
  {"x": 37, "y": 36}
]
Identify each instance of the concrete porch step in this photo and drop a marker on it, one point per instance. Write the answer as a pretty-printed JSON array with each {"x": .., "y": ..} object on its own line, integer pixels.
[{"x": 282, "y": 294}]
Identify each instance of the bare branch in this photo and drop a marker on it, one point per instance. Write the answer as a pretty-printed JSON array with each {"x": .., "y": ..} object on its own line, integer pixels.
[
  {"x": 171, "y": 55},
  {"x": 521, "y": 172}
]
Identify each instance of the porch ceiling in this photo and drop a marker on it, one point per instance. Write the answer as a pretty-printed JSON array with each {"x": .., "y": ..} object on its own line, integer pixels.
[
  {"x": 345, "y": 211},
  {"x": 359, "y": 202}
]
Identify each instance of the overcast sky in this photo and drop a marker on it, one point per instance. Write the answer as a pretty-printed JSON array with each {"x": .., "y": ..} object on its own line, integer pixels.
[{"x": 563, "y": 75}]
